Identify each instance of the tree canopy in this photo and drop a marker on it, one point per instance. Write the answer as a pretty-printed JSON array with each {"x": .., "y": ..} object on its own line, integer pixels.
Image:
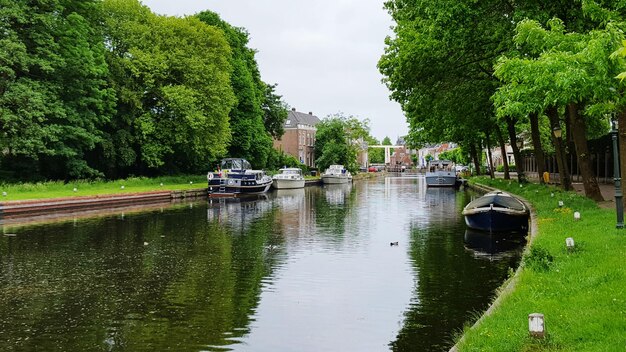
[{"x": 108, "y": 88}]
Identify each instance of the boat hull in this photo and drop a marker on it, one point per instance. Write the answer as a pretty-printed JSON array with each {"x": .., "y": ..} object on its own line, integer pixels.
[
  {"x": 334, "y": 179},
  {"x": 287, "y": 184},
  {"x": 496, "y": 220},
  {"x": 237, "y": 188},
  {"x": 438, "y": 180}
]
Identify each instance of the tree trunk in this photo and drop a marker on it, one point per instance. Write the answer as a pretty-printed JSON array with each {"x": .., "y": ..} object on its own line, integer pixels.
[
  {"x": 536, "y": 136},
  {"x": 566, "y": 179},
  {"x": 505, "y": 159},
  {"x": 489, "y": 156},
  {"x": 578, "y": 126},
  {"x": 621, "y": 140},
  {"x": 474, "y": 155},
  {"x": 510, "y": 124}
]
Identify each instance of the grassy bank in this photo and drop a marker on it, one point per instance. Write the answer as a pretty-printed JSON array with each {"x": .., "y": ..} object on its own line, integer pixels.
[
  {"x": 59, "y": 189},
  {"x": 582, "y": 294}
]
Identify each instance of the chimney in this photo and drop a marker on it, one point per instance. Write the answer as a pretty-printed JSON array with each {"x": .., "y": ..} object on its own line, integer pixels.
[
  {"x": 293, "y": 109},
  {"x": 310, "y": 112}
]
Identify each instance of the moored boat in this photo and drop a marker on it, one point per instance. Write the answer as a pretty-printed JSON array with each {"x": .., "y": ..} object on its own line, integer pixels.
[
  {"x": 236, "y": 176},
  {"x": 336, "y": 174},
  {"x": 288, "y": 178},
  {"x": 497, "y": 212},
  {"x": 441, "y": 173}
]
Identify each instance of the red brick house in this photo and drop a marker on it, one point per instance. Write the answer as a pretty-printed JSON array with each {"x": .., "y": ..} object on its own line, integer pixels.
[
  {"x": 400, "y": 157},
  {"x": 299, "y": 137}
]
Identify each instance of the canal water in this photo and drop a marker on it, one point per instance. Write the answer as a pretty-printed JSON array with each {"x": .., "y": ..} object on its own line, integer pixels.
[{"x": 296, "y": 270}]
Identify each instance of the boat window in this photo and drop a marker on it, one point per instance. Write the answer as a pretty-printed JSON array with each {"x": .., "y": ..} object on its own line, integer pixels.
[{"x": 246, "y": 164}]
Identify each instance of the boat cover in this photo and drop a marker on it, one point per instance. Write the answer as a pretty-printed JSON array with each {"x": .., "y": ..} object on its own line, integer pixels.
[{"x": 499, "y": 200}]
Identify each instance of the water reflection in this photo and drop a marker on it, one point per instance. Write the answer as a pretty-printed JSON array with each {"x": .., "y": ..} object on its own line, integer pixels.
[
  {"x": 306, "y": 269},
  {"x": 494, "y": 246}
]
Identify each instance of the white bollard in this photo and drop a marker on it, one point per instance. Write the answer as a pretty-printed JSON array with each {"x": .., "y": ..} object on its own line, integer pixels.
[
  {"x": 576, "y": 215},
  {"x": 536, "y": 325},
  {"x": 569, "y": 242}
]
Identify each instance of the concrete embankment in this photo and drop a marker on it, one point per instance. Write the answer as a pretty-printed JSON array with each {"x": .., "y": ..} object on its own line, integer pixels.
[
  {"x": 28, "y": 208},
  {"x": 509, "y": 285}
]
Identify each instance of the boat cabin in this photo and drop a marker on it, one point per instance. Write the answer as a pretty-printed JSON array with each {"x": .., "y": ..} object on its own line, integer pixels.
[
  {"x": 440, "y": 165},
  {"x": 235, "y": 164}
]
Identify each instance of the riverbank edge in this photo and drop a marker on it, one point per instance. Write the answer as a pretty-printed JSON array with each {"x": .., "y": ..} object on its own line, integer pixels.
[
  {"x": 36, "y": 207},
  {"x": 511, "y": 283}
]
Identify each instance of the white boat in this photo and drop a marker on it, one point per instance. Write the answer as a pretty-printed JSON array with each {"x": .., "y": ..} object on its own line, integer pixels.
[
  {"x": 441, "y": 173},
  {"x": 288, "y": 178},
  {"x": 235, "y": 176},
  {"x": 336, "y": 174}
]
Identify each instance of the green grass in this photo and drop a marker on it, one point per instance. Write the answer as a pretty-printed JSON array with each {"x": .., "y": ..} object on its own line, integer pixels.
[
  {"x": 582, "y": 294},
  {"x": 59, "y": 189}
]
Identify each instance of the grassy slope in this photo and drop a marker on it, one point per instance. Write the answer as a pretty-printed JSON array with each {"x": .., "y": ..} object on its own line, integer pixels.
[
  {"x": 88, "y": 188},
  {"x": 582, "y": 294}
]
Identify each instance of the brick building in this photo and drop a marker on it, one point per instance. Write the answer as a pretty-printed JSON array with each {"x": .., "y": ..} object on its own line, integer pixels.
[{"x": 299, "y": 137}]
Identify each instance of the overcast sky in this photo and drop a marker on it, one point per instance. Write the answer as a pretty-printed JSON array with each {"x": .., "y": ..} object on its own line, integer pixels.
[{"x": 322, "y": 53}]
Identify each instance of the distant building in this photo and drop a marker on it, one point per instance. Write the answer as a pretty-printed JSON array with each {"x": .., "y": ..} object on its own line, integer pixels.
[
  {"x": 433, "y": 150},
  {"x": 299, "y": 137},
  {"x": 401, "y": 157}
]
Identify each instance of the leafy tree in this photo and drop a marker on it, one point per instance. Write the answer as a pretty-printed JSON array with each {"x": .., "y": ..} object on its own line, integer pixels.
[
  {"x": 571, "y": 70},
  {"x": 455, "y": 155},
  {"x": 338, "y": 139},
  {"x": 250, "y": 139},
  {"x": 54, "y": 96},
  {"x": 275, "y": 112},
  {"x": 172, "y": 77},
  {"x": 438, "y": 66}
]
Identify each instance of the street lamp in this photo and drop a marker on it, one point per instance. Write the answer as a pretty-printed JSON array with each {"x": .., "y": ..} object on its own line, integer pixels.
[
  {"x": 619, "y": 206},
  {"x": 557, "y": 131},
  {"x": 520, "y": 168}
]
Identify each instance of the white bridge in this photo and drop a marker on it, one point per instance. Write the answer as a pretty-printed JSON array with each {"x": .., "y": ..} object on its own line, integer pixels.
[{"x": 387, "y": 150}]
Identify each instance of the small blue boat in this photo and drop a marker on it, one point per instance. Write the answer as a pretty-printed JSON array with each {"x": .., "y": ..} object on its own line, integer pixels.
[{"x": 497, "y": 212}]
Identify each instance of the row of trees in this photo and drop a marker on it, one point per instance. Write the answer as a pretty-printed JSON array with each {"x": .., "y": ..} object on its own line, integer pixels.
[
  {"x": 480, "y": 73},
  {"x": 96, "y": 88}
]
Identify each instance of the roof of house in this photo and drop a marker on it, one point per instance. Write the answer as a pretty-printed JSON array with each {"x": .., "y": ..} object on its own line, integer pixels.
[{"x": 295, "y": 118}]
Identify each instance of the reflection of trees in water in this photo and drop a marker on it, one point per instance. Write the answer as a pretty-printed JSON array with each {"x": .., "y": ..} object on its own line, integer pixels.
[
  {"x": 444, "y": 297},
  {"x": 196, "y": 286}
]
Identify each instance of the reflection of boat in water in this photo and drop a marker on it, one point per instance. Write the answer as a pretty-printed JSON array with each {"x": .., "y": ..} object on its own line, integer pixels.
[
  {"x": 497, "y": 211},
  {"x": 495, "y": 243},
  {"x": 289, "y": 197},
  {"x": 235, "y": 176},
  {"x": 238, "y": 212},
  {"x": 336, "y": 174},
  {"x": 288, "y": 178},
  {"x": 337, "y": 193}
]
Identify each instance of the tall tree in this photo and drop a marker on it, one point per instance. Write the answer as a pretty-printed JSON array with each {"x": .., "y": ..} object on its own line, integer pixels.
[
  {"x": 439, "y": 65},
  {"x": 54, "y": 96},
  {"x": 338, "y": 139},
  {"x": 172, "y": 77},
  {"x": 250, "y": 139},
  {"x": 275, "y": 111}
]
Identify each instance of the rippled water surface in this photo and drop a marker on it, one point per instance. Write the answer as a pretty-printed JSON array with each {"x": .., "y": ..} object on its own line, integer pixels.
[{"x": 298, "y": 270}]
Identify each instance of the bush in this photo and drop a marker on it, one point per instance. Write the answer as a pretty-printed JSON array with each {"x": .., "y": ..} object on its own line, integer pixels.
[
  {"x": 538, "y": 259},
  {"x": 278, "y": 159},
  {"x": 500, "y": 168}
]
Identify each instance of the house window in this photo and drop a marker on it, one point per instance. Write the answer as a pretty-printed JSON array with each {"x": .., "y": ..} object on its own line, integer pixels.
[{"x": 288, "y": 122}]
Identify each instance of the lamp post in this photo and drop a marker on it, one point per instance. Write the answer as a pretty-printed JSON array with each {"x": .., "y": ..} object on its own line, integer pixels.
[
  {"x": 519, "y": 142},
  {"x": 619, "y": 206}
]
